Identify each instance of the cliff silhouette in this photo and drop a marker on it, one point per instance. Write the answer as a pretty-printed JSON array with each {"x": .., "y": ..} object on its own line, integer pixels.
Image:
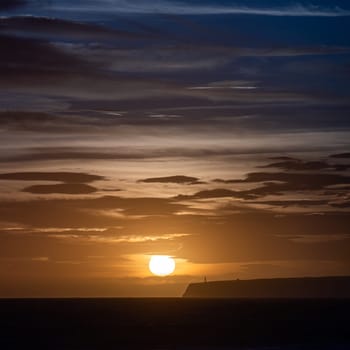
[{"x": 305, "y": 287}]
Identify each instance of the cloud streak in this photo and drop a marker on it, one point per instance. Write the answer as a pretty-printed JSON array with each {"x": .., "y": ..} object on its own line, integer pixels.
[
  {"x": 67, "y": 177},
  {"x": 10, "y": 4},
  {"x": 61, "y": 189},
  {"x": 182, "y": 8},
  {"x": 177, "y": 179}
]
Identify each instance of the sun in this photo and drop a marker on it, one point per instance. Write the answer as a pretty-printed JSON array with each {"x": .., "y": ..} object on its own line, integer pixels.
[{"x": 161, "y": 265}]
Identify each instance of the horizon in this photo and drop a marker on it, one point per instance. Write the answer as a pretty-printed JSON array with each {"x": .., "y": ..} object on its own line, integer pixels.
[{"x": 203, "y": 283}]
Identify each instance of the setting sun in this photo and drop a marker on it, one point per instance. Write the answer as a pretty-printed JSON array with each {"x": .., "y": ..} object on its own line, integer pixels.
[{"x": 161, "y": 265}]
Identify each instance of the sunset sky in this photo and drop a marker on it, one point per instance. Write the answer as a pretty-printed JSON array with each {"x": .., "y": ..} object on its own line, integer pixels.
[{"x": 214, "y": 132}]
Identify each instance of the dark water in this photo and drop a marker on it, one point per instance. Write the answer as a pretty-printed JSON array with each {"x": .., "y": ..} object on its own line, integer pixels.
[{"x": 174, "y": 324}]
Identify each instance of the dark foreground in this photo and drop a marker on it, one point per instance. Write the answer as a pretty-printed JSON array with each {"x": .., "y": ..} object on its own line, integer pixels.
[
  {"x": 174, "y": 324},
  {"x": 305, "y": 287}
]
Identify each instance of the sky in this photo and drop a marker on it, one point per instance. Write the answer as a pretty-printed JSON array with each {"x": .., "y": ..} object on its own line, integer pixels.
[{"x": 214, "y": 132}]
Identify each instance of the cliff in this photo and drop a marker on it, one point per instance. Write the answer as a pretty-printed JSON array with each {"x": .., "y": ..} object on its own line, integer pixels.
[{"x": 306, "y": 287}]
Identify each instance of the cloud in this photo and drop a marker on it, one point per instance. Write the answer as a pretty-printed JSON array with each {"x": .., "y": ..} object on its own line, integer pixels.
[
  {"x": 342, "y": 205},
  {"x": 29, "y": 66},
  {"x": 280, "y": 183},
  {"x": 29, "y": 56},
  {"x": 40, "y": 259},
  {"x": 165, "y": 58},
  {"x": 299, "y": 165},
  {"x": 203, "y": 142},
  {"x": 250, "y": 114},
  {"x": 178, "y": 179},
  {"x": 239, "y": 236},
  {"x": 295, "y": 203},
  {"x": 59, "y": 29},
  {"x": 40, "y": 121},
  {"x": 276, "y": 183},
  {"x": 215, "y": 193},
  {"x": 133, "y": 153},
  {"x": 10, "y": 4},
  {"x": 61, "y": 188},
  {"x": 98, "y": 235},
  {"x": 102, "y": 211},
  {"x": 310, "y": 239},
  {"x": 106, "y": 238},
  {"x": 341, "y": 155},
  {"x": 73, "y": 183},
  {"x": 66, "y": 177},
  {"x": 284, "y": 158},
  {"x": 83, "y": 72},
  {"x": 15, "y": 101},
  {"x": 158, "y": 59},
  {"x": 183, "y": 8},
  {"x": 79, "y": 154}
]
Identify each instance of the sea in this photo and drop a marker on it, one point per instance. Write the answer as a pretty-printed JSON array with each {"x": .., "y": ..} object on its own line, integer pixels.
[{"x": 175, "y": 323}]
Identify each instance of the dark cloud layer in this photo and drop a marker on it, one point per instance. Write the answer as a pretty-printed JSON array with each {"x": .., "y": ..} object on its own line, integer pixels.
[
  {"x": 249, "y": 235},
  {"x": 299, "y": 165},
  {"x": 66, "y": 177},
  {"x": 216, "y": 193},
  {"x": 104, "y": 211},
  {"x": 344, "y": 205},
  {"x": 308, "y": 180},
  {"x": 61, "y": 188},
  {"x": 42, "y": 155},
  {"x": 58, "y": 29},
  {"x": 341, "y": 155},
  {"x": 9, "y": 4},
  {"x": 277, "y": 183},
  {"x": 306, "y": 203},
  {"x": 34, "y": 59},
  {"x": 178, "y": 179}
]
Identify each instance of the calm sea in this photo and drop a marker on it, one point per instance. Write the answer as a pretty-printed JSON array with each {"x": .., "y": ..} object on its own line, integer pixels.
[{"x": 183, "y": 324}]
